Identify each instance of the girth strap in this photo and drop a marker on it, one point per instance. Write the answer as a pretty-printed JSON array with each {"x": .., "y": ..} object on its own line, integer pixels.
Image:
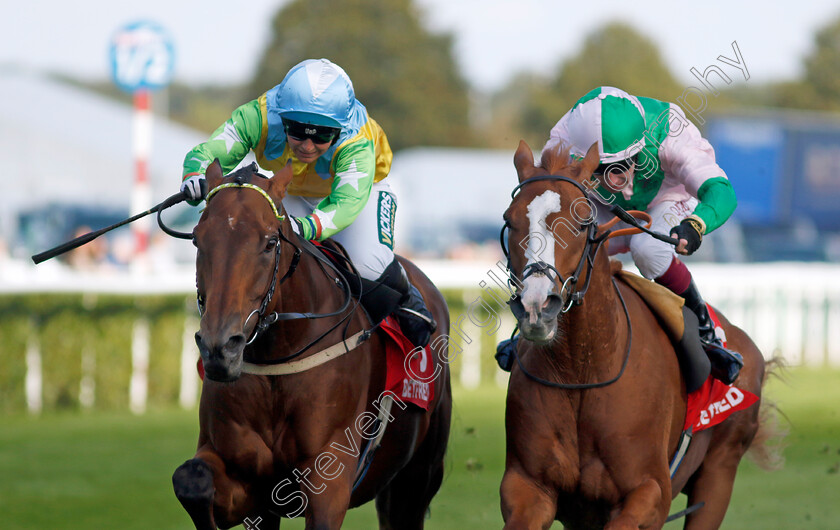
[
  {"x": 323, "y": 356},
  {"x": 366, "y": 459},
  {"x": 682, "y": 449}
]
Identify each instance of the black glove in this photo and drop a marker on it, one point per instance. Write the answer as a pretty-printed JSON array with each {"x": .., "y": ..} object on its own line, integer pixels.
[{"x": 690, "y": 230}]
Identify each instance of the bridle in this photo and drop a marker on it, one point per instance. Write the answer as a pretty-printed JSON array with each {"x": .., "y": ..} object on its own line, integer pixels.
[
  {"x": 264, "y": 321},
  {"x": 593, "y": 244},
  {"x": 587, "y": 258}
]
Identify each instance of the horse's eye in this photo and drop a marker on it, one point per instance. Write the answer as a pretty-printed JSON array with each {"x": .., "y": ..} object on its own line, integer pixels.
[{"x": 269, "y": 246}]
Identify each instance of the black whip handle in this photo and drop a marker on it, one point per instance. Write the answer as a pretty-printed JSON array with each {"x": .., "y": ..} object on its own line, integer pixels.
[{"x": 90, "y": 236}]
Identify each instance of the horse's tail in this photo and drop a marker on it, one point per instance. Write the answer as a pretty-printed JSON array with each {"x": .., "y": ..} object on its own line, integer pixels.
[{"x": 769, "y": 441}]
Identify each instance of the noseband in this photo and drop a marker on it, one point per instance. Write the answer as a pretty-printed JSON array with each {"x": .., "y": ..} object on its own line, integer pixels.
[{"x": 593, "y": 243}]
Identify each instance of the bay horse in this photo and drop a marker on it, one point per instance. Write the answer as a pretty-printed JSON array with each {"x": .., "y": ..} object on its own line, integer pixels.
[
  {"x": 274, "y": 446},
  {"x": 596, "y": 402}
]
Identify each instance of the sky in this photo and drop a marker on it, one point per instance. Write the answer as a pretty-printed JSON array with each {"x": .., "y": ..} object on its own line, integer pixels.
[{"x": 494, "y": 39}]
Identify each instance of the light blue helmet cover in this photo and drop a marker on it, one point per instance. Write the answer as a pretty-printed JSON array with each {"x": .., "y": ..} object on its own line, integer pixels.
[{"x": 315, "y": 91}]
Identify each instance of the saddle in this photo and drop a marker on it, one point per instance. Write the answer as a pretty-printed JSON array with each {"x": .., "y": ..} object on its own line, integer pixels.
[
  {"x": 679, "y": 322},
  {"x": 379, "y": 301}
]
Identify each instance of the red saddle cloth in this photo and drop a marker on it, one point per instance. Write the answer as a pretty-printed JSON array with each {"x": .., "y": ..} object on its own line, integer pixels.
[
  {"x": 410, "y": 377},
  {"x": 714, "y": 401}
]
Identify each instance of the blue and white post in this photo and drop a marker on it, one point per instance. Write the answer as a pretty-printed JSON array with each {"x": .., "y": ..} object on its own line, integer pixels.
[{"x": 142, "y": 59}]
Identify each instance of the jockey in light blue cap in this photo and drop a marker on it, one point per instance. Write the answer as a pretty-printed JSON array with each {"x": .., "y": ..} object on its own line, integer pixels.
[
  {"x": 320, "y": 93},
  {"x": 340, "y": 158}
]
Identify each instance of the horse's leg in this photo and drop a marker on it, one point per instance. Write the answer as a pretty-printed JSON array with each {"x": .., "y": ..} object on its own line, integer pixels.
[
  {"x": 327, "y": 489},
  {"x": 204, "y": 488},
  {"x": 404, "y": 503},
  {"x": 712, "y": 483},
  {"x": 713, "y": 487},
  {"x": 326, "y": 511},
  {"x": 193, "y": 483},
  {"x": 644, "y": 507},
  {"x": 525, "y": 503}
]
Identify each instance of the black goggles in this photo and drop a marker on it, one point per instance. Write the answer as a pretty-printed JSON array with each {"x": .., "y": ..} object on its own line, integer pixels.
[
  {"x": 619, "y": 166},
  {"x": 319, "y": 134}
]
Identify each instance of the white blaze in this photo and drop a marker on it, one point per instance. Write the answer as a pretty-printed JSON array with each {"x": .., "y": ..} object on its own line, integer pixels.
[
  {"x": 536, "y": 289},
  {"x": 540, "y": 238}
]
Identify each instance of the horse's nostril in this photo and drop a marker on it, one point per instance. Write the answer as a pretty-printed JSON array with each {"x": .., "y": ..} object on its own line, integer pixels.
[{"x": 235, "y": 343}]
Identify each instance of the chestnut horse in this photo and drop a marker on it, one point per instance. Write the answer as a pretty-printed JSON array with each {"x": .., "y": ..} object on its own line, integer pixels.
[
  {"x": 596, "y": 402},
  {"x": 273, "y": 446}
]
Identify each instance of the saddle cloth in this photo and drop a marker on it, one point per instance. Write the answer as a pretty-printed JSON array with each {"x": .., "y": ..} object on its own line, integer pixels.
[
  {"x": 410, "y": 376},
  {"x": 714, "y": 401}
]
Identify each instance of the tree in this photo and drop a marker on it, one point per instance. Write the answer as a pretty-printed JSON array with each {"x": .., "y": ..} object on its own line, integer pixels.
[
  {"x": 819, "y": 86},
  {"x": 614, "y": 55},
  {"x": 822, "y": 67},
  {"x": 508, "y": 106},
  {"x": 405, "y": 76}
]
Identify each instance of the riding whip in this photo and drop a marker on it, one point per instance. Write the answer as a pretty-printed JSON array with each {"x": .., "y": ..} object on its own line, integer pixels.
[
  {"x": 90, "y": 236},
  {"x": 622, "y": 214}
]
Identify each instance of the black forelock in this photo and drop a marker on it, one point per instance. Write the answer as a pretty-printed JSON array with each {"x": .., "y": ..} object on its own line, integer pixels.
[{"x": 244, "y": 174}]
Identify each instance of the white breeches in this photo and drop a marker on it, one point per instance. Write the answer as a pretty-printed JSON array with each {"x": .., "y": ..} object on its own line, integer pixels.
[
  {"x": 651, "y": 256},
  {"x": 370, "y": 238}
]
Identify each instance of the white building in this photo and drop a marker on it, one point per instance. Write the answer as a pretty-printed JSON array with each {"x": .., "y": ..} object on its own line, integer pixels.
[
  {"x": 448, "y": 197},
  {"x": 64, "y": 145}
]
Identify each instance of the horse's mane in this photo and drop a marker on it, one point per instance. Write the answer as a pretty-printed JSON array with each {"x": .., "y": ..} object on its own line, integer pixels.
[{"x": 557, "y": 158}]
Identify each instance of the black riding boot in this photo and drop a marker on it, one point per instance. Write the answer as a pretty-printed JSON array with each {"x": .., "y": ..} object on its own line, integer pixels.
[
  {"x": 414, "y": 317},
  {"x": 506, "y": 352},
  {"x": 726, "y": 364}
]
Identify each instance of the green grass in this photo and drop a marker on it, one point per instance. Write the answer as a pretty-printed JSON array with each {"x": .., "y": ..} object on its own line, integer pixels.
[
  {"x": 805, "y": 493},
  {"x": 112, "y": 470}
]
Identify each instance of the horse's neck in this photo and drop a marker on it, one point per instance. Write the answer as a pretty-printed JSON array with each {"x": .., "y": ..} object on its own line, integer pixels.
[
  {"x": 595, "y": 331},
  {"x": 307, "y": 290}
]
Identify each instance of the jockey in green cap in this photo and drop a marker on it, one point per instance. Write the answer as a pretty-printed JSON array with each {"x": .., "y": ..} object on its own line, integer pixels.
[{"x": 652, "y": 158}]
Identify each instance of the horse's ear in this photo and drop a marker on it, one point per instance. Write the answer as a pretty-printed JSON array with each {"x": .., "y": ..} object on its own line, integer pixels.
[
  {"x": 280, "y": 181},
  {"x": 591, "y": 160},
  {"x": 523, "y": 159},
  {"x": 213, "y": 174}
]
